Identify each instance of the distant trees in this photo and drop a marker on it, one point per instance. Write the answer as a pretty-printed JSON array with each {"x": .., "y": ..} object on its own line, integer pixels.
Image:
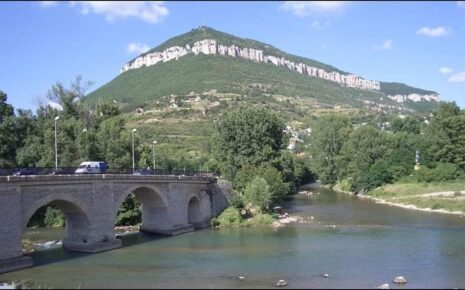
[{"x": 368, "y": 157}]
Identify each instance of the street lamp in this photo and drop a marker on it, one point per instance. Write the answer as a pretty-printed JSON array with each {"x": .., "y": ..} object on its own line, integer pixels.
[
  {"x": 154, "y": 160},
  {"x": 133, "y": 159},
  {"x": 56, "y": 146}
]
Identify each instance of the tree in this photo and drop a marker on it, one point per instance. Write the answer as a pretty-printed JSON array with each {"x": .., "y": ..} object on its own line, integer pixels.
[
  {"x": 410, "y": 124},
  {"x": 69, "y": 98},
  {"x": 365, "y": 146},
  {"x": 328, "y": 136},
  {"x": 278, "y": 189},
  {"x": 248, "y": 135},
  {"x": 447, "y": 134},
  {"x": 257, "y": 193},
  {"x": 114, "y": 143},
  {"x": 6, "y": 110}
]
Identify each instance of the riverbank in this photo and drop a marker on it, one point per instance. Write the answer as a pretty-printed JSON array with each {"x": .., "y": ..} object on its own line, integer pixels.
[{"x": 447, "y": 198}]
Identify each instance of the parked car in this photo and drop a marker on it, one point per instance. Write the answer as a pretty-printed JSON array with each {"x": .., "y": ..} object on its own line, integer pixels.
[
  {"x": 23, "y": 171},
  {"x": 92, "y": 167}
]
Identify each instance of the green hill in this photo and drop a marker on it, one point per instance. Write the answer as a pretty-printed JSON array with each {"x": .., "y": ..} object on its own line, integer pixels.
[
  {"x": 181, "y": 98},
  {"x": 225, "y": 74}
]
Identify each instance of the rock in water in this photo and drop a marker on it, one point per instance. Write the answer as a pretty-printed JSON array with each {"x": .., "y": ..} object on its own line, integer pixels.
[
  {"x": 281, "y": 283},
  {"x": 399, "y": 280},
  {"x": 384, "y": 286}
]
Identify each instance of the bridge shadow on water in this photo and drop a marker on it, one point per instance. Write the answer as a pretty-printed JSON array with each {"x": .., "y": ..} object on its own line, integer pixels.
[{"x": 42, "y": 257}]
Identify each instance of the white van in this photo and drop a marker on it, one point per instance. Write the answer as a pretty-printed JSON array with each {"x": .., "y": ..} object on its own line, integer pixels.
[{"x": 90, "y": 167}]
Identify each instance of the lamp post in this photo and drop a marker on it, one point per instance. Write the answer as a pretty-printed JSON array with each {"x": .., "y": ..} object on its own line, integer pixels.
[
  {"x": 133, "y": 158},
  {"x": 56, "y": 146},
  {"x": 154, "y": 160}
]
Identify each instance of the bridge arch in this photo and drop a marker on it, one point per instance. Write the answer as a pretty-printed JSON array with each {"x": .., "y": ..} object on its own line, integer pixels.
[
  {"x": 77, "y": 221},
  {"x": 199, "y": 209},
  {"x": 154, "y": 206},
  {"x": 194, "y": 214}
]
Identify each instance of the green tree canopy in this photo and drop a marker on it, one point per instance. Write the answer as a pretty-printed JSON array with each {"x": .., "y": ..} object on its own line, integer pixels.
[
  {"x": 248, "y": 135},
  {"x": 329, "y": 134}
]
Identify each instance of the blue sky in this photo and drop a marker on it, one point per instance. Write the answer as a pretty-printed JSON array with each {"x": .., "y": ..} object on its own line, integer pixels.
[{"x": 421, "y": 44}]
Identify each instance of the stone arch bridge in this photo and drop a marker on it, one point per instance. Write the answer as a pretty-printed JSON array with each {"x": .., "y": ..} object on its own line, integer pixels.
[{"x": 171, "y": 205}]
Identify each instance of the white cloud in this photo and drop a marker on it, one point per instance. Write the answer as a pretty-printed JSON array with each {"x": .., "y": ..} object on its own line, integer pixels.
[
  {"x": 387, "y": 44},
  {"x": 445, "y": 70},
  {"x": 434, "y": 31},
  {"x": 47, "y": 4},
  {"x": 302, "y": 8},
  {"x": 147, "y": 11},
  {"x": 457, "y": 77},
  {"x": 461, "y": 4},
  {"x": 137, "y": 47}
]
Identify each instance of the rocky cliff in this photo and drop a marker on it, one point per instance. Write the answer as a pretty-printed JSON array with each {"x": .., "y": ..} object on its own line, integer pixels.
[{"x": 212, "y": 47}]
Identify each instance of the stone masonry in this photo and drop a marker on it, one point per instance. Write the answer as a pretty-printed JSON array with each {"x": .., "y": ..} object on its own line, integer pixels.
[{"x": 170, "y": 205}]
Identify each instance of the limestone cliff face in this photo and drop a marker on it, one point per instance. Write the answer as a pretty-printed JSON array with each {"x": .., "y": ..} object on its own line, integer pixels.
[
  {"x": 414, "y": 98},
  {"x": 211, "y": 47}
]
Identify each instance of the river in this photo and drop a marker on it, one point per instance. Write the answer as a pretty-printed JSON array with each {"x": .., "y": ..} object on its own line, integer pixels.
[{"x": 358, "y": 243}]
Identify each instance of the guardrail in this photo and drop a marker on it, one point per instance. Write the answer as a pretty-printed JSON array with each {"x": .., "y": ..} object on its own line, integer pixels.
[{"x": 126, "y": 171}]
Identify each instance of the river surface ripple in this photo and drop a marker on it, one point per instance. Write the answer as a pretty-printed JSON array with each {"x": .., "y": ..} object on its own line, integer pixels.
[{"x": 360, "y": 244}]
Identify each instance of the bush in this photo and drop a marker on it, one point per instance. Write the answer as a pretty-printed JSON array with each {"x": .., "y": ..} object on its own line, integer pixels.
[
  {"x": 229, "y": 217},
  {"x": 257, "y": 193},
  {"x": 261, "y": 220},
  {"x": 442, "y": 172},
  {"x": 273, "y": 177},
  {"x": 236, "y": 201}
]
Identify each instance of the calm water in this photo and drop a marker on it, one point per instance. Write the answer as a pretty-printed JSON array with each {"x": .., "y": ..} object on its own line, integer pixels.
[{"x": 370, "y": 245}]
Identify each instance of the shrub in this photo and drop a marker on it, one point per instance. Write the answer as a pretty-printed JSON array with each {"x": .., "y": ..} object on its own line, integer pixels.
[
  {"x": 442, "y": 172},
  {"x": 229, "y": 217},
  {"x": 257, "y": 193},
  {"x": 236, "y": 201}
]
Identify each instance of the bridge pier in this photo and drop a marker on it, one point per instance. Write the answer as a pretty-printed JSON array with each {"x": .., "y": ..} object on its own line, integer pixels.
[
  {"x": 94, "y": 247},
  {"x": 17, "y": 263},
  {"x": 168, "y": 231}
]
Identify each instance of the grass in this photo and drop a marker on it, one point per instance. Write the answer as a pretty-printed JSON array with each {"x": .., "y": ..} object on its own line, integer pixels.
[
  {"x": 437, "y": 203},
  {"x": 408, "y": 194},
  {"x": 405, "y": 189}
]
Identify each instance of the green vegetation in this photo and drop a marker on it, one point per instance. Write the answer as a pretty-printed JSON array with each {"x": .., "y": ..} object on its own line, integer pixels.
[
  {"x": 368, "y": 157},
  {"x": 247, "y": 144},
  {"x": 148, "y": 85},
  {"x": 433, "y": 195},
  {"x": 380, "y": 163},
  {"x": 402, "y": 89}
]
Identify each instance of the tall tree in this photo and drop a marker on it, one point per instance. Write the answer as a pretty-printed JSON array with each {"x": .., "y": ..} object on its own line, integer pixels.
[
  {"x": 365, "y": 146},
  {"x": 329, "y": 134},
  {"x": 248, "y": 135},
  {"x": 6, "y": 110},
  {"x": 447, "y": 134}
]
